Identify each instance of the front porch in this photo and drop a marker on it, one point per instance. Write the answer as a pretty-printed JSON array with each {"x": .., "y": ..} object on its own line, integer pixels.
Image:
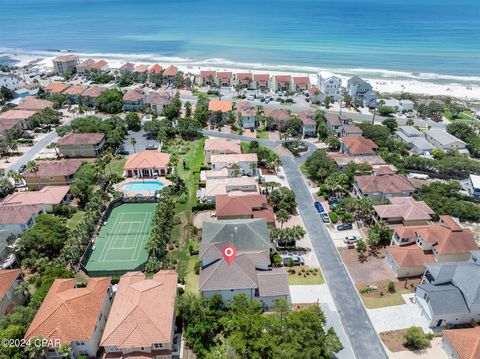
[{"x": 147, "y": 173}]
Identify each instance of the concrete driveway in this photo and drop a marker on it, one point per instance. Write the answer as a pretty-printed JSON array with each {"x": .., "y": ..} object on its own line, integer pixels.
[{"x": 142, "y": 141}]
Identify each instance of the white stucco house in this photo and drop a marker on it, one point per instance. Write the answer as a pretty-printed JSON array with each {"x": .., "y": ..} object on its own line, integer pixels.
[{"x": 330, "y": 85}]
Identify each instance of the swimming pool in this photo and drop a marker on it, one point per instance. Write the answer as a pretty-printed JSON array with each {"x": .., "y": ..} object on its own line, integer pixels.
[{"x": 143, "y": 186}]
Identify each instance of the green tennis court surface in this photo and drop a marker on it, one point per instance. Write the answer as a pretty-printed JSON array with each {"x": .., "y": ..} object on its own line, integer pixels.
[{"x": 120, "y": 246}]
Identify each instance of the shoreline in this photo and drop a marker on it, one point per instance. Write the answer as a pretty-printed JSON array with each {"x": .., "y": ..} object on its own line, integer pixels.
[{"x": 465, "y": 88}]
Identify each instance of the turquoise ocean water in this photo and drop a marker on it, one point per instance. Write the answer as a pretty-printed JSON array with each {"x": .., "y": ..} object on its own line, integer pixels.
[{"x": 419, "y": 39}]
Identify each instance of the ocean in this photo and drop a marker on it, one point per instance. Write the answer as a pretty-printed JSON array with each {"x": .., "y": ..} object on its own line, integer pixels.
[{"x": 437, "y": 40}]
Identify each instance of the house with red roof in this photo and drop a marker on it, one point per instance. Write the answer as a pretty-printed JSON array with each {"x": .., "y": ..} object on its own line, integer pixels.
[
  {"x": 403, "y": 211},
  {"x": 10, "y": 279},
  {"x": 84, "y": 66},
  {"x": 142, "y": 319},
  {"x": 245, "y": 79},
  {"x": 55, "y": 88},
  {"x": 100, "y": 66},
  {"x": 133, "y": 100},
  {"x": 206, "y": 78},
  {"x": 63, "y": 64},
  {"x": 90, "y": 95},
  {"x": 309, "y": 123},
  {"x": 74, "y": 145},
  {"x": 462, "y": 343},
  {"x": 157, "y": 101},
  {"x": 140, "y": 72},
  {"x": 276, "y": 118},
  {"x": 170, "y": 75},
  {"x": 47, "y": 197},
  {"x": 243, "y": 206},
  {"x": 300, "y": 83},
  {"x": 147, "y": 164},
  {"x": 413, "y": 247},
  {"x": 14, "y": 119},
  {"x": 74, "y": 316},
  {"x": 380, "y": 188},
  {"x": 281, "y": 83},
  {"x": 358, "y": 146},
  {"x": 75, "y": 92},
  {"x": 219, "y": 111},
  {"x": 316, "y": 95},
  {"x": 155, "y": 69},
  {"x": 261, "y": 82},
  {"x": 246, "y": 114},
  {"x": 224, "y": 78},
  {"x": 126, "y": 68},
  {"x": 30, "y": 103},
  {"x": 51, "y": 173},
  {"x": 15, "y": 219}
]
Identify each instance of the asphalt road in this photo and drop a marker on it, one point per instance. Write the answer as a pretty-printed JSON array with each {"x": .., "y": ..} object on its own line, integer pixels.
[{"x": 362, "y": 336}]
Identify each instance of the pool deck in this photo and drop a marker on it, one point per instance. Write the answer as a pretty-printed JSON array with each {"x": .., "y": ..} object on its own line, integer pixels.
[{"x": 119, "y": 186}]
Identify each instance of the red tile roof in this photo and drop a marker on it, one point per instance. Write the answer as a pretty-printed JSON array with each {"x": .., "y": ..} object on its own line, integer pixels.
[
  {"x": 68, "y": 313},
  {"x": 244, "y": 76},
  {"x": 75, "y": 90},
  {"x": 155, "y": 69},
  {"x": 385, "y": 184},
  {"x": 57, "y": 87},
  {"x": 143, "y": 311},
  {"x": 94, "y": 91},
  {"x": 224, "y": 75},
  {"x": 230, "y": 206},
  {"x": 65, "y": 58},
  {"x": 6, "y": 125},
  {"x": 282, "y": 79},
  {"x": 147, "y": 159},
  {"x": 7, "y": 278},
  {"x": 207, "y": 73},
  {"x": 55, "y": 168},
  {"x": 47, "y": 195},
  {"x": 128, "y": 66},
  {"x": 410, "y": 256},
  {"x": 141, "y": 68},
  {"x": 277, "y": 114},
  {"x": 466, "y": 342},
  {"x": 222, "y": 105},
  {"x": 133, "y": 95},
  {"x": 170, "y": 71},
  {"x": 404, "y": 207},
  {"x": 307, "y": 117},
  {"x": 314, "y": 91},
  {"x": 17, "y": 115},
  {"x": 34, "y": 104},
  {"x": 81, "y": 139},
  {"x": 359, "y": 145},
  {"x": 220, "y": 144},
  {"x": 17, "y": 214},
  {"x": 99, "y": 65},
  {"x": 301, "y": 80},
  {"x": 86, "y": 64},
  {"x": 262, "y": 78}
]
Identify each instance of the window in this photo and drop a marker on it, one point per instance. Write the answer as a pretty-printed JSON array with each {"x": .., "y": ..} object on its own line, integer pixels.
[{"x": 158, "y": 346}]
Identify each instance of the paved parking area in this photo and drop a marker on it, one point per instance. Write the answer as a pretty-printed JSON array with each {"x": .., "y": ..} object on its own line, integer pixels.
[
  {"x": 398, "y": 317},
  {"x": 142, "y": 141}
]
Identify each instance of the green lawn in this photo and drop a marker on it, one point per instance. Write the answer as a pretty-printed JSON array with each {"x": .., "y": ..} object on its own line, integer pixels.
[
  {"x": 200, "y": 93},
  {"x": 387, "y": 300},
  {"x": 262, "y": 134},
  {"x": 75, "y": 219},
  {"x": 295, "y": 279},
  {"x": 117, "y": 166}
]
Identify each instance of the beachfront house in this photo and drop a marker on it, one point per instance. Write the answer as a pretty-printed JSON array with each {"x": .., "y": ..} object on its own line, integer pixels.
[
  {"x": 141, "y": 322},
  {"x": 64, "y": 64},
  {"x": 261, "y": 82},
  {"x": 81, "y": 144},
  {"x": 73, "y": 316},
  {"x": 244, "y": 79},
  {"x": 335, "y": 123},
  {"x": 147, "y": 164},
  {"x": 133, "y": 100},
  {"x": 10, "y": 279},
  {"x": 300, "y": 83},
  {"x": 450, "y": 292},
  {"x": 19, "y": 117},
  {"x": 281, "y": 83},
  {"x": 100, "y": 66},
  {"x": 126, "y": 68},
  {"x": 361, "y": 92},
  {"x": 330, "y": 85},
  {"x": 224, "y": 78},
  {"x": 445, "y": 141},
  {"x": 170, "y": 75},
  {"x": 472, "y": 185},
  {"x": 250, "y": 273},
  {"x": 219, "y": 112},
  {"x": 415, "y": 139},
  {"x": 84, "y": 66},
  {"x": 206, "y": 78},
  {"x": 220, "y": 146},
  {"x": 381, "y": 188},
  {"x": 140, "y": 73}
]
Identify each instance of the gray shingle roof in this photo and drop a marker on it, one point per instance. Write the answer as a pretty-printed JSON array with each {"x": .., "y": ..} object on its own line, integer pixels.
[
  {"x": 410, "y": 131},
  {"x": 442, "y": 136},
  {"x": 244, "y": 234},
  {"x": 445, "y": 299}
]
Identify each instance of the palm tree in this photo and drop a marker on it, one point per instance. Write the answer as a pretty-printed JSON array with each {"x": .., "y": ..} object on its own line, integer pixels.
[
  {"x": 282, "y": 217},
  {"x": 235, "y": 170},
  {"x": 133, "y": 142},
  {"x": 107, "y": 158},
  {"x": 32, "y": 166},
  {"x": 14, "y": 175},
  {"x": 2, "y": 172}
]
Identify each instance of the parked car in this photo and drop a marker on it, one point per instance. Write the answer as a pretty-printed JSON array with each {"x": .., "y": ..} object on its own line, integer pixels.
[
  {"x": 325, "y": 217},
  {"x": 344, "y": 227},
  {"x": 297, "y": 261},
  {"x": 122, "y": 151},
  {"x": 267, "y": 100},
  {"x": 350, "y": 239},
  {"x": 151, "y": 148},
  {"x": 333, "y": 202},
  {"x": 319, "y": 207},
  {"x": 22, "y": 168}
]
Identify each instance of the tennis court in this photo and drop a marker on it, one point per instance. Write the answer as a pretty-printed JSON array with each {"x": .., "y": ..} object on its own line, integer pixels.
[{"x": 120, "y": 246}]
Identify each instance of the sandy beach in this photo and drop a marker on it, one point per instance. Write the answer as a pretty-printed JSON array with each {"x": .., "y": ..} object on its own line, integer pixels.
[{"x": 461, "y": 90}]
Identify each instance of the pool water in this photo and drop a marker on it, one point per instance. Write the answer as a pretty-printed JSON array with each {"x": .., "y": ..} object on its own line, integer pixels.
[{"x": 143, "y": 186}]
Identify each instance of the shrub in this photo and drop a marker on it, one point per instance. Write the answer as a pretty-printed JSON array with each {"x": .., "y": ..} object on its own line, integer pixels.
[
  {"x": 180, "y": 290},
  {"x": 64, "y": 210},
  {"x": 416, "y": 339},
  {"x": 391, "y": 287},
  {"x": 333, "y": 217},
  {"x": 198, "y": 264}
]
